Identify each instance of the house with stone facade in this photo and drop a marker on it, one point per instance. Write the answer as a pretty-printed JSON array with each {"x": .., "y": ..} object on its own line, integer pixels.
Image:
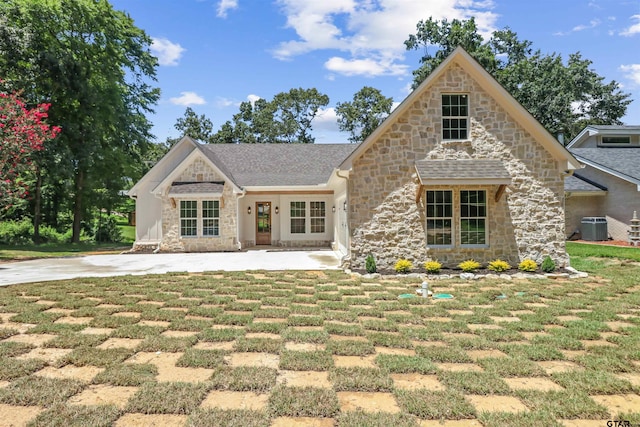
[
  {"x": 609, "y": 184},
  {"x": 459, "y": 170}
]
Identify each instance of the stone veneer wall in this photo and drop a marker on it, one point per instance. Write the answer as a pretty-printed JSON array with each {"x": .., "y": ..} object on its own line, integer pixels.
[
  {"x": 527, "y": 222},
  {"x": 198, "y": 170}
]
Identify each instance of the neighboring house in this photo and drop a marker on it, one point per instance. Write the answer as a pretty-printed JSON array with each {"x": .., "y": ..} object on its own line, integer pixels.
[
  {"x": 458, "y": 170},
  {"x": 609, "y": 184}
]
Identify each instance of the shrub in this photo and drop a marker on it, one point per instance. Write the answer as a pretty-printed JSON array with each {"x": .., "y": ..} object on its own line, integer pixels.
[
  {"x": 370, "y": 264},
  {"x": 469, "y": 266},
  {"x": 107, "y": 230},
  {"x": 548, "y": 265},
  {"x": 499, "y": 266},
  {"x": 21, "y": 233},
  {"x": 403, "y": 266},
  {"x": 528, "y": 265},
  {"x": 432, "y": 267}
]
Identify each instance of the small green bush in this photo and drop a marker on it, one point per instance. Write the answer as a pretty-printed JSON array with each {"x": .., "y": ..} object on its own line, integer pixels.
[
  {"x": 432, "y": 267},
  {"x": 499, "y": 266},
  {"x": 21, "y": 233},
  {"x": 528, "y": 265},
  {"x": 107, "y": 230},
  {"x": 403, "y": 266},
  {"x": 469, "y": 266},
  {"x": 548, "y": 265},
  {"x": 370, "y": 264}
]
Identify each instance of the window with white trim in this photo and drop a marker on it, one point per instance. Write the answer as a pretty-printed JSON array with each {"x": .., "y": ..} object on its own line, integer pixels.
[
  {"x": 473, "y": 217},
  {"x": 455, "y": 112},
  {"x": 188, "y": 218},
  {"x": 316, "y": 216},
  {"x": 210, "y": 218},
  {"x": 439, "y": 217},
  {"x": 298, "y": 214},
  {"x": 616, "y": 140}
]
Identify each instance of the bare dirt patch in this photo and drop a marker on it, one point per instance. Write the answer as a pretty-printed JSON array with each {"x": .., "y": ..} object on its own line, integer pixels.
[
  {"x": 266, "y": 360},
  {"x": 354, "y": 361},
  {"x": 449, "y": 423},
  {"x": 417, "y": 381},
  {"x": 477, "y": 326},
  {"x": 302, "y": 422},
  {"x": 459, "y": 367},
  {"x": 34, "y": 339},
  {"x": 396, "y": 351},
  {"x": 496, "y": 403},
  {"x": 367, "y": 402},
  {"x": 235, "y": 400},
  {"x": 481, "y": 354},
  {"x": 633, "y": 378},
  {"x": 619, "y": 404},
  {"x": 50, "y": 355},
  {"x": 159, "y": 359},
  {"x": 304, "y": 379},
  {"x": 187, "y": 375},
  {"x": 303, "y": 346},
  {"x": 179, "y": 334},
  {"x": 74, "y": 320},
  {"x": 160, "y": 323},
  {"x": 553, "y": 366},
  {"x": 597, "y": 343},
  {"x": 80, "y": 373},
  {"x": 127, "y": 314},
  {"x": 120, "y": 343},
  {"x": 104, "y": 395},
  {"x": 542, "y": 384},
  {"x": 145, "y": 420},
  {"x": 18, "y": 415},
  {"x": 203, "y": 345},
  {"x": 96, "y": 331}
]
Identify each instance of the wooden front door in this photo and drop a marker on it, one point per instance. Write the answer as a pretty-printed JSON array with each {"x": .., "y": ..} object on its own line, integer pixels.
[{"x": 263, "y": 223}]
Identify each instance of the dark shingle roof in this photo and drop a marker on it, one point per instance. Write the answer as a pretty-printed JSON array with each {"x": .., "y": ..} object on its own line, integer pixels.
[
  {"x": 625, "y": 161},
  {"x": 196, "y": 187},
  {"x": 463, "y": 169},
  {"x": 615, "y": 127},
  {"x": 277, "y": 164},
  {"x": 575, "y": 182}
]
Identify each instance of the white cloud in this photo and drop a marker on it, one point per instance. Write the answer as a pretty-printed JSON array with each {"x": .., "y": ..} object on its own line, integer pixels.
[
  {"x": 224, "y": 6},
  {"x": 188, "y": 98},
  {"x": 168, "y": 53},
  {"x": 222, "y": 102},
  {"x": 253, "y": 98},
  {"x": 632, "y": 72},
  {"x": 325, "y": 120},
  {"x": 634, "y": 28},
  {"x": 365, "y": 67},
  {"x": 372, "y": 32},
  {"x": 592, "y": 24}
]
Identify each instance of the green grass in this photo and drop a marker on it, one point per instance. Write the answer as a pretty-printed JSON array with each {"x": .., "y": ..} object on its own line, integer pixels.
[
  {"x": 584, "y": 250},
  {"x": 58, "y": 250},
  {"x": 382, "y": 333}
]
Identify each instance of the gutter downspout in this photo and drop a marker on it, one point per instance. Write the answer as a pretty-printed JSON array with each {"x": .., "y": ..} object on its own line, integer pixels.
[
  {"x": 346, "y": 260},
  {"x": 238, "y": 216}
]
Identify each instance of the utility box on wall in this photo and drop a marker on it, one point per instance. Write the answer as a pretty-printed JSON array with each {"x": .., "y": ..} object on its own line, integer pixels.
[{"x": 594, "y": 228}]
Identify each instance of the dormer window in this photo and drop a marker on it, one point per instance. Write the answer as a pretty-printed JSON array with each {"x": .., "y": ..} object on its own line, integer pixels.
[
  {"x": 616, "y": 140},
  {"x": 455, "y": 116}
]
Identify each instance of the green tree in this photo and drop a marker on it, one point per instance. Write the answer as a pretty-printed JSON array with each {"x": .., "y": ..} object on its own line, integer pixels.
[
  {"x": 197, "y": 127},
  {"x": 94, "y": 66},
  {"x": 285, "y": 119},
  {"x": 364, "y": 114},
  {"x": 563, "y": 97}
]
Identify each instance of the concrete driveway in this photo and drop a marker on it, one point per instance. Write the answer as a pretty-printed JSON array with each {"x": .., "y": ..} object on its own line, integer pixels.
[{"x": 139, "y": 264}]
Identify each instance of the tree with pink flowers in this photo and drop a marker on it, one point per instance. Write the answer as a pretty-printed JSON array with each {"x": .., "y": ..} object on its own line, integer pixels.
[{"x": 23, "y": 132}]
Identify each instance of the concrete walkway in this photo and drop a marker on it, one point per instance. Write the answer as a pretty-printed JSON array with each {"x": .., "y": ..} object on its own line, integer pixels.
[{"x": 138, "y": 264}]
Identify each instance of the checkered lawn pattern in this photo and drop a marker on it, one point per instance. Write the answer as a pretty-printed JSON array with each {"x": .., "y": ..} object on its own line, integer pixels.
[{"x": 319, "y": 349}]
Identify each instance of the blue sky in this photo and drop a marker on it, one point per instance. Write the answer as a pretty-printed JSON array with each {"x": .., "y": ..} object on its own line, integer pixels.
[{"x": 215, "y": 54}]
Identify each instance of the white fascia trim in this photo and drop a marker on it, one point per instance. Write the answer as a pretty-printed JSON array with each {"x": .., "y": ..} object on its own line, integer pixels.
[
  {"x": 321, "y": 187},
  {"x": 196, "y": 195}
]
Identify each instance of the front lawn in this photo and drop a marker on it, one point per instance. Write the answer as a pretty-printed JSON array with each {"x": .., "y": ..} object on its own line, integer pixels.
[{"x": 262, "y": 348}]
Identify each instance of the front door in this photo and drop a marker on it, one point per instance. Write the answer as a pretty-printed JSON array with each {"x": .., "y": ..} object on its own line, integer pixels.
[{"x": 263, "y": 223}]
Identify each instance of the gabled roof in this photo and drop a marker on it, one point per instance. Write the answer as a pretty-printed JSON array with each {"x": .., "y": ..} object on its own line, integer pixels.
[
  {"x": 489, "y": 84},
  {"x": 178, "y": 188},
  {"x": 613, "y": 130},
  {"x": 462, "y": 171},
  {"x": 277, "y": 164},
  {"x": 621, "y": 162},
  {"x": 578, "y": 184}
]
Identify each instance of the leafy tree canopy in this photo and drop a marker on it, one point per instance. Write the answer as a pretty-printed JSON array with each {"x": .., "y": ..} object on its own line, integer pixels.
[
  {"x": 95, "y": 68},
  {"x": 197, "y": 127},
  {"x": 364, "y": 114},
  {"x": 563, "y": 97},
  {"x": 285, "y": 119}
]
